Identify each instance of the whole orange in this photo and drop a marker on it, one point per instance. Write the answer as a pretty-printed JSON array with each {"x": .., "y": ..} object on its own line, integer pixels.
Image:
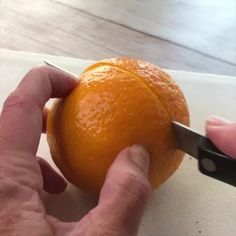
[{"x": 118, "y": 102}]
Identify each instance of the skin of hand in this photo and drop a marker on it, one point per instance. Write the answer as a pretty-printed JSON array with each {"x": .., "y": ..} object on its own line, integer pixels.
[
  {"x": 223, "y": 134},
  {"x": 24, "y": 177}
]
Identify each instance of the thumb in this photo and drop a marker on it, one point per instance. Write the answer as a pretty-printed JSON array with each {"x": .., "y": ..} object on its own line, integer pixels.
[
  {"x": 223, "y": 134},
  {"x": 125, "y": 192},
  {"x": 122, "y": 199}
]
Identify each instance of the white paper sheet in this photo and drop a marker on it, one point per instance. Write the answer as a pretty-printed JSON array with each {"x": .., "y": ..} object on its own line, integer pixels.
[{"x": 188, "y": 204}]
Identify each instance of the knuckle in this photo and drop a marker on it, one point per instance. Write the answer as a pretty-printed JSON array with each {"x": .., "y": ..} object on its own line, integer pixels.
[
  {"x": 136, "y": 186},
  {"x": 39, "y": 72},
  {"x": 16, "y": 100}
]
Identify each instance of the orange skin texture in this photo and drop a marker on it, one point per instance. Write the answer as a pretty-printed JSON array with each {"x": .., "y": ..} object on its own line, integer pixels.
[{"x": 118, "y": 102}]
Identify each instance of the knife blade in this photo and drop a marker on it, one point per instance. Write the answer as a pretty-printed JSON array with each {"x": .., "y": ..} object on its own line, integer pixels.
[
  {"x": 59, "y": 68},
  {"x": 211, "y": 161},
  {"x": 187, "y": 139}
]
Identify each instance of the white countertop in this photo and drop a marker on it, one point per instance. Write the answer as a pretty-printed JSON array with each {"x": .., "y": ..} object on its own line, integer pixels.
[{"x": 189, "y": 203}]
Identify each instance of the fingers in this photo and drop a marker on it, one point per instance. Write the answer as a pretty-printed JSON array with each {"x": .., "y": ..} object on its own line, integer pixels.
[
  {"x": 21, "y": 120},
  {"x": 223, "y": 134},
  {"x": 125, "y": 192},
  {"x": 52, "y": 182}
]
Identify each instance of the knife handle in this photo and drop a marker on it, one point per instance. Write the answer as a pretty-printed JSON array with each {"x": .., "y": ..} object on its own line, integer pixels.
[{"x": 214, "y": 163}]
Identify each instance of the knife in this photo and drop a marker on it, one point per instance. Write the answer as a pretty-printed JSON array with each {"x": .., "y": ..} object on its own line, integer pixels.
[
  {"x": 211, "y": 161},
  {"x": 59, "y": 68}
]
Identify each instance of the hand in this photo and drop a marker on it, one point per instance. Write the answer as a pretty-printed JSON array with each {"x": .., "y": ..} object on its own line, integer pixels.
[
  {"x": 23, "y": 176},
  {"x": 223, "y": 134}
]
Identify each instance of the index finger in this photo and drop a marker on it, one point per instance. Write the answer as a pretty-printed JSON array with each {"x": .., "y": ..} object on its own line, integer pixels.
[{"x": 21, "y": 120}]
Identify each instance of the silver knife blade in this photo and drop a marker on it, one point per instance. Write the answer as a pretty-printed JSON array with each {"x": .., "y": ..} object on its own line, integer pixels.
[
  {"x": 187, "y": 139},
  {"x": 59, "y": 68}
]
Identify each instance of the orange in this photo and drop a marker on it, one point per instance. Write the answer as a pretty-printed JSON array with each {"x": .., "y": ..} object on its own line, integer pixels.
[{"x": 118, "y": 102}]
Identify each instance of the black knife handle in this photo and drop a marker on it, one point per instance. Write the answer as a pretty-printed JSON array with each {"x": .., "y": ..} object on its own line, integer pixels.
[{"x": 214, "y": 163}]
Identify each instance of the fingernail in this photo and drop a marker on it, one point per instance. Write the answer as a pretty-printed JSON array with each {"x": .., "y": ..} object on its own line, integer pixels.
[
  {"x": 140, "y": 156},
  {"x": 217, "y": 121}
]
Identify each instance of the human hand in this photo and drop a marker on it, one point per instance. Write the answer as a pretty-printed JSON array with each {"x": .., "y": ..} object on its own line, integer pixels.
[
  {"x": 223, "y": 134},
  {"x": 23, "y": 176}
]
